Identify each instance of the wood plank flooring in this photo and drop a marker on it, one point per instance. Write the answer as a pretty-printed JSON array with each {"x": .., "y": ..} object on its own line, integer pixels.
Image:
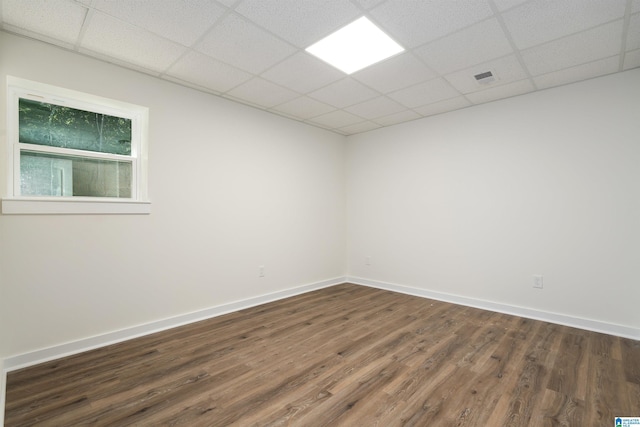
[{"x": 343, "y": 356}]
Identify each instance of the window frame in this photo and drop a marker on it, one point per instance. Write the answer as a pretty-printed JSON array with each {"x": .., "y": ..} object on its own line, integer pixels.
[{"x": 15, "y": 203}]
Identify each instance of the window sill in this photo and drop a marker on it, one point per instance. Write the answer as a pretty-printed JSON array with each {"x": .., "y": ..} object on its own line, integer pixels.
[{"x": 28, "y": 206}]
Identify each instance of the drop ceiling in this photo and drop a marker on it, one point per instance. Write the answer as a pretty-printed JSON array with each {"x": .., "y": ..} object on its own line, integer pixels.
[{"x": 253, "y": 51}]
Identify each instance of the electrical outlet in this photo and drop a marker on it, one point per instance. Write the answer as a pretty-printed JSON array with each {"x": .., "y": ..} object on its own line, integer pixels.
[
  {"x": 261, "y": 271},
  {"x": 367, "y": 260},
  {"x": 537, "y": 281}
]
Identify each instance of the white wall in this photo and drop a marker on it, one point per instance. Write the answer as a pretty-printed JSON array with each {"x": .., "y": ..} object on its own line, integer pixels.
[
  {"x": 469, "y": 203},
  {"x": 232, "y": 188},
  {"x": 474, "y": 202}
]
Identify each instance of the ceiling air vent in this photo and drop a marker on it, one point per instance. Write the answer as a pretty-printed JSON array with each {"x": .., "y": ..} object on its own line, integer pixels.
[{"x": 485, "y": 78}]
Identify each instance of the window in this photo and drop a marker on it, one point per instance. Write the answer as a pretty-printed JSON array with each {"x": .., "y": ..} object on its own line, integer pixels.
[{"x": 71, "y": 152}]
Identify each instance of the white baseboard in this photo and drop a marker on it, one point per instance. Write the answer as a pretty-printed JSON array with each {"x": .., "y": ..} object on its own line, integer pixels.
[
  {"x": 67, "y": 349},
  {"x": 85, "y": 344},
  {"x": 79, "y": 346},
  {"x": 561, "y": 319}
]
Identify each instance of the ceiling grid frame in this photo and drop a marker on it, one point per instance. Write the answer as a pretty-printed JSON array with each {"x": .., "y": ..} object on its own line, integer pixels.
[{"x": 287, "y": 81}]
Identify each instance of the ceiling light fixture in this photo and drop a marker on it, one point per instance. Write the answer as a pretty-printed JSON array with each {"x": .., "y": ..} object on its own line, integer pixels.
[{"x": 355, "y": 46}]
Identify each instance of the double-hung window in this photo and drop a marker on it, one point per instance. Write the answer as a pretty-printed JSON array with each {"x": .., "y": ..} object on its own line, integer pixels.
[{"x": 71, "y": 152}]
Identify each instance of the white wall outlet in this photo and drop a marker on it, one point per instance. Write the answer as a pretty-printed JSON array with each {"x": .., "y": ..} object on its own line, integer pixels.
[
  {"x": 261, "y": 271},
  {"x": 367, "y": 260},
  {"x": 537, "y": 281}
]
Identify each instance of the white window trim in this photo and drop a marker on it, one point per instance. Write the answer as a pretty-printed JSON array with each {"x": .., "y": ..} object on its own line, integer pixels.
[{"x": 14, "y": 203}]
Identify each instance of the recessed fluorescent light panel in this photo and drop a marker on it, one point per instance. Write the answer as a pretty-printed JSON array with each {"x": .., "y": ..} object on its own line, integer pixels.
[{"x": 355, "y": 46}]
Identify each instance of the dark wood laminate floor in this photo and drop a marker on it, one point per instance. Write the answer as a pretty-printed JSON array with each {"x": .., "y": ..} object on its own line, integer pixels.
[{"x": 343, "y": 356}]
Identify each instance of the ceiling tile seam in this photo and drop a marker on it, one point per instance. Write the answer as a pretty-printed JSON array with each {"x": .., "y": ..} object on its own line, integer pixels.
[
  {"x": 289, "y": 117},
  {"x": 137, "y": 27},
  {"x": 253, "y": 24},
  {"x": 571, "y": 35},
  {"x": 459, "y": 30},
  {"x": 266, "y": 30},
  {"x": 33, "y": 35},
  {"x": 359, "y": 7},
  {"x": 517, "y": 52},
  {"x": 354, "y": 77},
  {"x": 321, "y": 126},
  {"x": 192, "y": 85},
  {"x": 346, "y": 77},
  {"x": 625, "y": 34},
  {"x": 273, "y": 110},
  {"x": 192, "y": 49},
  {"x": 338, "y": 110},
  {"x": 384, "y": 29},
  {"x": 437, "y": 77},
  {"x": 385, "y": 96},
  {"x": 510, "y": 8},
  {"x": 286, "y": 58},
  {"x": 166, "y": 73},
  {"x": 233, "y": 5},
  {"x": 413, "y": 50},
  {"x": 88, "y": 15},
  {"x": 575, "y": 66},
  {"x": 243, "y": 101},
  {"x": 115, "y": 61},
  {"x": 584, "y": 30},
  {"x": 455, "y": 70},
  {"x": 417, "y": 57}
]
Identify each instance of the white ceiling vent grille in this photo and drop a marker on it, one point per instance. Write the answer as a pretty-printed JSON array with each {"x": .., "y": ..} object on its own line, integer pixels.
[{"x": 485, "y": 78}]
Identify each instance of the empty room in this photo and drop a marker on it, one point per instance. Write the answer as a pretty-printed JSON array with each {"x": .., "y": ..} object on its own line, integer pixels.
[{"x": 320, "y": 212}]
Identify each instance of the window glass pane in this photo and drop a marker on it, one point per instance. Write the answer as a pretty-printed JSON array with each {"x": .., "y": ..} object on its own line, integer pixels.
[
  {"x": 58, "y": 126},
  {"x": 54, "y": 175}
]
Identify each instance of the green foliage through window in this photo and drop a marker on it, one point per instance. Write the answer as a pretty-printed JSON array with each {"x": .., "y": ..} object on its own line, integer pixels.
[{"x": 65, "y": 127}]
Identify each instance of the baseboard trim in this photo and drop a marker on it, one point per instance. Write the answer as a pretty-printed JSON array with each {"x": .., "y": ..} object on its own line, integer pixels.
[
  {"x": 561, "y": 319},
  {"x": 67, "y": 349}
]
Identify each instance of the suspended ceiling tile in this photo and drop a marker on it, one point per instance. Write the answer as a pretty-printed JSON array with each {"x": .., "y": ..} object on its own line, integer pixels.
[
  {"x": 303, "y": 73},
  {"x": 368, "y": 4},
  {"x": 344, "y": 93},
  {"x": 503, "y": 5},
  {"x": 395, "y": 73},
  {"x": 633, "y": 33},
  {"x": 425, "y": 93},
  {"x": 359, "y": 128},
  {"x": 337, "y": 119},
  {"x": 578, "y": 73},
  {"x": 465, "y": 48},
  {"x": 631, "y": 60},
  {"x": 540, "y": 21},
  {"x": 301, "y": 23},
  {"x": 227, "y": 3},
  {"x": 207, "y": 72},
  {"x": 262, "y": 92},
  {"x": 304, "y": 108},
  {"x": 402, "y": 116},
  {"x": 587, "y": 46},
  {"x": 376, "y": 107},
  {"x": 413, "y": 23},
  {"x": 58, "y": 19},
  {"x": 500, "y": 92},
  {"x": 183, "y": 22},
  {"x": 505, "y": 70},
  {"x": 110, "y": 36},
  {"x": 242, "y": 44},
  {"x": 443, "y": 106}
]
